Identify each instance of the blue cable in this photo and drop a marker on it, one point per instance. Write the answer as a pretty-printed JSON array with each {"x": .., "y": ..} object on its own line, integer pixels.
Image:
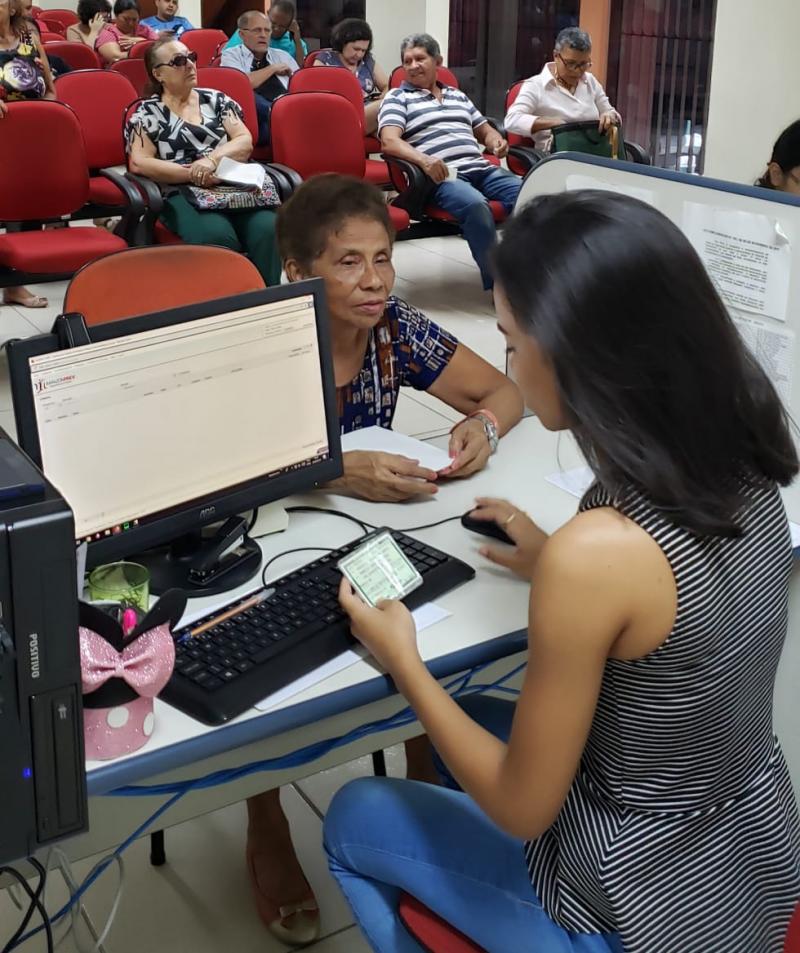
[{"x": 460, "y": 686}]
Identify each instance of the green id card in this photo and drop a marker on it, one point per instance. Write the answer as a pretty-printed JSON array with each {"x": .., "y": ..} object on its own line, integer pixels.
[{"x": 380, "y": 570}]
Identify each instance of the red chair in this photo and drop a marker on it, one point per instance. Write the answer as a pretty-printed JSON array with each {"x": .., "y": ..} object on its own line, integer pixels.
[
  {"x": 177, "y": 275},
  {"x": 64, "y": 17},
  {"x": 206, "y": 43},
  {"x": 139, "y": 50},
  {"x": 99, "y": 99},
  {"x": 430, "y": 930},
  {"x": 334, "y": 122},
  {"x": 49, "y": 25},
  {"x": 47, "y": 36},
  {"x": 443, "y": 74},
  {"x": 792, "y": 943},
  {"x": 49, "y": 184},
  {"x": 311, "y": 58},
  {"x": 333, "y": 79},
  {"x": 36, "y": 12},
  {"x": 76, "y": 55},
  {"x": 235, "y": 84},
  {"x": 134, "y": 72},
  {"x": 523, "y": 154}
]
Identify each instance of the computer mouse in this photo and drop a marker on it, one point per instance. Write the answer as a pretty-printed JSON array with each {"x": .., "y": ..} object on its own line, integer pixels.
[{"x": 486, "y": 528}]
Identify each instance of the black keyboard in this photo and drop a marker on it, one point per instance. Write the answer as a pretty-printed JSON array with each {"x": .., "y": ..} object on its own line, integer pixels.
[{"x": 226, "y": 669}]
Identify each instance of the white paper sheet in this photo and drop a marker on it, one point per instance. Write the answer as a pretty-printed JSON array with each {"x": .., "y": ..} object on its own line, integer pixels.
[
  {"x": 388, "y": 441},
  {"x": 241, "y": 173},
  {"x": 424, "y": 617},
  {"x": 794, "y": 529},
  {"x": 772, "y": 347},
  {"x": 576, "y": 481},
  {"x": 748, "y": 257},
  {"x": 576, "y": 182}
]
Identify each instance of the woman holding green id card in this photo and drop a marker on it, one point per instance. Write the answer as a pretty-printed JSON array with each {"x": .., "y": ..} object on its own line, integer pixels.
[{"x": 635, "y": 798}]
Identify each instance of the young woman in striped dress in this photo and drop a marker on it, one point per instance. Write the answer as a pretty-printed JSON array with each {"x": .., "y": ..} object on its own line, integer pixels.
[{"x": 635, "y": 799}]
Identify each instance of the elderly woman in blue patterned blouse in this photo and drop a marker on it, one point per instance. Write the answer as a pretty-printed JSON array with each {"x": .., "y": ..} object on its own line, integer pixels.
[{"x": 338, "y": 229}]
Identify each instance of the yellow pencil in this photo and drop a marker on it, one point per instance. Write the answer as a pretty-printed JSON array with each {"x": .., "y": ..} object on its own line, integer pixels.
[{"x": 233, "y": 611}]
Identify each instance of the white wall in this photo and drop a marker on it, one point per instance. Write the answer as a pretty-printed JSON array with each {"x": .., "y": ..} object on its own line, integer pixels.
[
  {"x": 753, "y": 85},
  {"x": 392, "y": 20},
  {"x": 188, "y": 8}
]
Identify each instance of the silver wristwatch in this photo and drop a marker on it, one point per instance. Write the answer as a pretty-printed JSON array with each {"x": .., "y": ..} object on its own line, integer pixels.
[{"x": 489, "y": 429}]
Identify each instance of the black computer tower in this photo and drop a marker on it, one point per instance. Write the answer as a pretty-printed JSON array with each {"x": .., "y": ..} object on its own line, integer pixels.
[{"x": 42, "y": 770}]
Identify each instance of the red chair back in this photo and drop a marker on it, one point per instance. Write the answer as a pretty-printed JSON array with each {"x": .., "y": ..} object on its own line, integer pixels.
[
  {"x": 138, "y": 50},
  {"x": 64, "y": 17},
  {"x": 205, "y": 43},
  {"x": 98, "y": 98},
  {"x": 330, "y": 79},
  {"x": 47, "y": 36},
  {"x": 36, "y": 12},
  {"x": 235, "y": 84},
  {"x": 311, "y": 57},
  {"x": 49, "y": 25},
  {"x": 177, "y": 275},
  {"x": 134, "y": 72},
  {"x": 50, "y": 182},
  {"x": 792, "y": 943},
  {"x": 76, "y": 55},
  {"x": 317, "y": 132},
  {"x": 443, "y": 74},
  {"x": 513, "y": 138}
]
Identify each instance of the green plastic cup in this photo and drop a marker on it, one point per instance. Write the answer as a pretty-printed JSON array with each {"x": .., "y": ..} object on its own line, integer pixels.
[{"x": 125, "y": 583}]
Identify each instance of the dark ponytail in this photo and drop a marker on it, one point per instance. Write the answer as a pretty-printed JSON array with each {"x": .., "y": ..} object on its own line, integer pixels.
[{"x": 785, "y": 154}]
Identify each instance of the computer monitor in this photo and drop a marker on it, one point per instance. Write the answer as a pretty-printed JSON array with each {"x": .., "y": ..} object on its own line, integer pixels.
[{"x": 168, "y": 423}]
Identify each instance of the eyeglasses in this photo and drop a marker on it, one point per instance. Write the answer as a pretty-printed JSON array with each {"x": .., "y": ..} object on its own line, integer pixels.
[
  {"x": 571, "y": 64},
  {"x": 258, "y": 30},
  {"x": 181, "y": 60}
]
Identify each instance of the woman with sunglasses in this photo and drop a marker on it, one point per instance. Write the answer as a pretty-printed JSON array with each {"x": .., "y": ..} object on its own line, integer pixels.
[
  {"x": 178, "y": 137},
  {"x": 564, "y": 91}
]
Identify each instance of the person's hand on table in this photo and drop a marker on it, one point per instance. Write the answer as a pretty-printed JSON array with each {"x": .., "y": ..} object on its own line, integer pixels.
[
  {"x": 608, "y": 119},
  {"x": 469, "y": 449},
  {"x": 434, "y": 168},
  {"x": 528, "y": 538},
  {"x": 388, "y": 632},
  {"x": 386, "y": 477}
]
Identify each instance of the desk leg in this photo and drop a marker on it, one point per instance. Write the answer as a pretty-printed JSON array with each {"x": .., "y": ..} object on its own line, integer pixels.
[
  {"x": 158, "y": 855},
  {"x": 379, "y": 764}
]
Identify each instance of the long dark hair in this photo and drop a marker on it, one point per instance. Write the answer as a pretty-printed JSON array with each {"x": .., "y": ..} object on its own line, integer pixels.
[
  {"x": 785, "y": 153},
  {"x": 661, "y": 394}
]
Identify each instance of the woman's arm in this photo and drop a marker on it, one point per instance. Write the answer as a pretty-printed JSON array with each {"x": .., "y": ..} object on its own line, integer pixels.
[
  {"x": 142, "y": 160},
  {"x": 582, "y": 603},
  {"x": 239, "y": 144},
  {"x": 381, "y": 78},
  {"x": 50, "y": 89},
  {"x": 522, "y": 117},
  {"x": 112, "y": 52},
  {"x": 467, "y": 384}
]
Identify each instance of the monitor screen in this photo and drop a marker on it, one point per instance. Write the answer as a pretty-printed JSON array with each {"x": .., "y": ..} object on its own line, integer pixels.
[{"x": 178, "y": 420}]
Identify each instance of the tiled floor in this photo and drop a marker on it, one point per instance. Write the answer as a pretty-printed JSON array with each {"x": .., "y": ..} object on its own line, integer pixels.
[{"x": 200, "y": 901}]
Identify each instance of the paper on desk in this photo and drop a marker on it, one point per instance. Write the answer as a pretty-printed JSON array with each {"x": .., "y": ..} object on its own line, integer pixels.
[
  {"x": 241, "y": 173},
  {"x": 424, "y": 617},
  {"x": 794, "y": 529},
  {"x": 389, "y": 441},
  {"x": 575, "y": 482}
]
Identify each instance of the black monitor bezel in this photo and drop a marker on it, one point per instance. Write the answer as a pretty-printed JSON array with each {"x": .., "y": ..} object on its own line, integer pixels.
[{"x": 249, "y": 496}]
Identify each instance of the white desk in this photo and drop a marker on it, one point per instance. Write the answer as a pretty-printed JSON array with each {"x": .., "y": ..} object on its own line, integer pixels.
[{"x": 488, "y": 623}]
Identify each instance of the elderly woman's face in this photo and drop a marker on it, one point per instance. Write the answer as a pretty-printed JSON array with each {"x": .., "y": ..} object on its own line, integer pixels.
[
  {"x": 571, "y": 63},
  {"x": 174, "y": 69},
  {"x": 353, "y": 53},
  {"x": 358, "y": 273},
  {"x": 127, "y": 22}
]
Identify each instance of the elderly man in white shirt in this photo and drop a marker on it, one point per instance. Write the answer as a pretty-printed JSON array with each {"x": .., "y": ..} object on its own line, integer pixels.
[
  {"x": 269, "y": 69},
  {"x": 564, "y": 91}
]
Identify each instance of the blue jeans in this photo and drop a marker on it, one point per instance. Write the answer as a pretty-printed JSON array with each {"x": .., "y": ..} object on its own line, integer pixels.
[
  {"x": 465, "y": 199},
  {"x": 384, "y": 836}
]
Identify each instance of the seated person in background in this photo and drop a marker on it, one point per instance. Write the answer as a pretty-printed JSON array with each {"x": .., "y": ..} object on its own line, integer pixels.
[
  {"x": 93, "y": 16},
  {"x": 337, "y": 228},
  {"x": 116, "y": 39},
  {"x": 351, "y": 47},
  {"x": 438, "y": 128},
  {"x": 24, "y": 75},
  {"x": 783, "y": 171},
  {"x": 285, "y": 35},
  {"x": 57, "y": 66},
  {"x": 178, "y": 137},
  {"x": 166, "y": 19},
  {"x": 269, "y": 69},
  {"x": 564, "y": 91}
]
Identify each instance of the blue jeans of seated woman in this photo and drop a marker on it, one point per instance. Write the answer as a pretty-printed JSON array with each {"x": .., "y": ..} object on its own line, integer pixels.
[
  {"x": 384, "y": 836},
  {"x": 465, "y": 198}
]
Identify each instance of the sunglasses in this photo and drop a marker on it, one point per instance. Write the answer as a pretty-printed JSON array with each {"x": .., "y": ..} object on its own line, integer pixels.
[{"x": 181, "y": 60}]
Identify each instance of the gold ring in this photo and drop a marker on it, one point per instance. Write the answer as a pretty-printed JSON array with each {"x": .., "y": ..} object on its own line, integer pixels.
[{"x": 510, "y": 518}]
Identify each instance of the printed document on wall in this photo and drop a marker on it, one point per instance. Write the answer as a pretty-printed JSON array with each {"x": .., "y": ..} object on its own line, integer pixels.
[
  {"x": 773, "y": 348},
  {"x": 748, "y": 257}
]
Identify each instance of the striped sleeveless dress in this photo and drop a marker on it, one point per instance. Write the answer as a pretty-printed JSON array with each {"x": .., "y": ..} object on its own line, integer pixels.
[{"x": 681, "y": 829}]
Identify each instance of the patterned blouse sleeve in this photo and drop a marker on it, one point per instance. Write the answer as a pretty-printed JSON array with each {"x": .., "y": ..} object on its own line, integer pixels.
[
  {"x": 423, "y": 349},
  {"x": 144, "y": 122},
  {"x": 228, "y": 108}
]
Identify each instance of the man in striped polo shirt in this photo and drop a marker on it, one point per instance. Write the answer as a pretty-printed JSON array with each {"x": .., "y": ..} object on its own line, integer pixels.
[{"x": 439, "y": 129}]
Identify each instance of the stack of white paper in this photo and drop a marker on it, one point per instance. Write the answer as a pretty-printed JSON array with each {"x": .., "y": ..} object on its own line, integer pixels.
[{"x": 248, "y": 174}]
